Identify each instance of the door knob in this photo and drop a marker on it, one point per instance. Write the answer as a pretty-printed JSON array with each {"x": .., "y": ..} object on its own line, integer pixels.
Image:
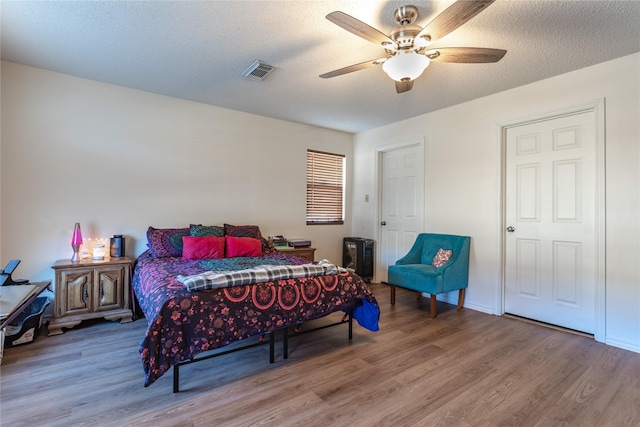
[
  {"x": 383, "y": 223},
  {"x": 511, "y": 229}
]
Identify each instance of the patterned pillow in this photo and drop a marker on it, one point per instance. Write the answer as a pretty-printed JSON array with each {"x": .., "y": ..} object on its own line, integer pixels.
[
  {"x": 267, "y": 247},
  {"x": 199, "y": 230},
  {"x": 166, "y": 242},
  {"x": 252, "y": 231},
  {"x": 441, "y": 257}
]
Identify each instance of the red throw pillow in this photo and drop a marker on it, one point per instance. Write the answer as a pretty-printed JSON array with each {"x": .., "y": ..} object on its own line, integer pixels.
[
  {"x": 202, "y": 247},
  {"x": 242, "y": 246}
]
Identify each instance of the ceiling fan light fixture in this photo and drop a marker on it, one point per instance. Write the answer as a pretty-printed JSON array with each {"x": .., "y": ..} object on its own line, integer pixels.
[{"x": 405, "y": 66}]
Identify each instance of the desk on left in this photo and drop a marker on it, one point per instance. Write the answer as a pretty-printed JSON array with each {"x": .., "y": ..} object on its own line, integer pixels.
[{"x": 15, "y": 298}]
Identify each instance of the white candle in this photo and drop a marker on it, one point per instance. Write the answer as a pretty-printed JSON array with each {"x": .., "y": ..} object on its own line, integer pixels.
[{"x": 98, "y": 251}]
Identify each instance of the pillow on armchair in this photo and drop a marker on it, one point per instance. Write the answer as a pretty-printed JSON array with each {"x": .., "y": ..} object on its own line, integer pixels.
[{"x": 441, "y": 257}]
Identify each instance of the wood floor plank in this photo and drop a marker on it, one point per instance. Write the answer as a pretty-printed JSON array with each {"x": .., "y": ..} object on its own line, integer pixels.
[{"x": 461, "y": 369}]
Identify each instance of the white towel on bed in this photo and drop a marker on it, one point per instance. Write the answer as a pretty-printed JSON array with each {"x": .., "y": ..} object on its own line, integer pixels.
[{"x": 261, "y": 273}]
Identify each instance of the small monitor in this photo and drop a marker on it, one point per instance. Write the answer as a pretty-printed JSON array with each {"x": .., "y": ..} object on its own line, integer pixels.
[
  {"x": 11, "y": 266},
  {"x": 5, "y": 276}
]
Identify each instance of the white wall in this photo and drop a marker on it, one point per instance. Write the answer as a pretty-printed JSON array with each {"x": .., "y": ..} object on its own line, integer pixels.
[
  {"x": 119, "y": 160},
  {"x": 462, "y": 179}
]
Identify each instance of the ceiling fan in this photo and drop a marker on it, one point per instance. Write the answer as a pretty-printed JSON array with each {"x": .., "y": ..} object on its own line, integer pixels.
[{"x": 407, "y": 46}]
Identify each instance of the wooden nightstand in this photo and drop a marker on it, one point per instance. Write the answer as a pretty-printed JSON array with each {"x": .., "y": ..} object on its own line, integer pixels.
[
  {"x": 308, "y": 253},
  {"x": 91, "y": 289}
]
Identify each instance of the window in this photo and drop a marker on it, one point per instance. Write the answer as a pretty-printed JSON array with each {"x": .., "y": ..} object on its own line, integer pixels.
[{"x": 325, "y": 188}]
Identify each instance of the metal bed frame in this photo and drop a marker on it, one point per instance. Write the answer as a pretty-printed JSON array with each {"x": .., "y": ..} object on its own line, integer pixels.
[{"x": 347, "y": 318}]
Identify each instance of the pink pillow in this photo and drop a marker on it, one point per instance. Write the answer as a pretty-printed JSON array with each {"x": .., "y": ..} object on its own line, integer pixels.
[
  {"x": 202, "y": 247},
  {"x": 441, "y": 257},
  {"x": 242, "y": 246}
]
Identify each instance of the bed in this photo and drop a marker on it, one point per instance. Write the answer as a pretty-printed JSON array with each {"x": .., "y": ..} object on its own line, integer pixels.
[{"x": 184, "y": 322}]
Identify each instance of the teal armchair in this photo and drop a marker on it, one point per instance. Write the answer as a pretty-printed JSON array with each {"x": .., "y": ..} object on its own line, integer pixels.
[{"x": 416, "y": 271}]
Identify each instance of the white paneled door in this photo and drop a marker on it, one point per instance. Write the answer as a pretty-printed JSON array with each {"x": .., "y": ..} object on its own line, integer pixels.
[
  {"x": 550, "y": 252},
  {"x": 402, "y": 204}
]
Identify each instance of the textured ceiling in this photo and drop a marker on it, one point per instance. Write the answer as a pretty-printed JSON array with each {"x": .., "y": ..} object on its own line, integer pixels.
[{"x": 198, "y": 50}]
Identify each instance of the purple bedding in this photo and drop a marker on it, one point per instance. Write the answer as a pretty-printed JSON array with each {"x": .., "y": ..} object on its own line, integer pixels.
[{"x": 183, "y": 324}]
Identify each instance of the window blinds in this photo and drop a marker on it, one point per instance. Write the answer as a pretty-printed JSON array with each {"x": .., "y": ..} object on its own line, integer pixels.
[{"x": 325, "y": 188}]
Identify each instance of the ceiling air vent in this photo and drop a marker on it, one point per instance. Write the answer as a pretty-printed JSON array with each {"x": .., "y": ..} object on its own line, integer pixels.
[{"x": 257, "y": 71}]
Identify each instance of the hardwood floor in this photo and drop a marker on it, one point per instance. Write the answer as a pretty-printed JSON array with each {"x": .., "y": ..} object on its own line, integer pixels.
[{"x": 461, "y": 369}]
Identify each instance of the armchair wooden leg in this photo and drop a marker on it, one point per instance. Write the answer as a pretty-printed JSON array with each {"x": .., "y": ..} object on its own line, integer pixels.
[
  {"x": 433, "y": 306},
  {"x": 461, "y": 298},
  {"x": 393, "y": 294}
]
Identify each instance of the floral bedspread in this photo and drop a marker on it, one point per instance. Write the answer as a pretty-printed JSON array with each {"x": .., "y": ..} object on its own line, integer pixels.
[{"x": 183, "y": 323}]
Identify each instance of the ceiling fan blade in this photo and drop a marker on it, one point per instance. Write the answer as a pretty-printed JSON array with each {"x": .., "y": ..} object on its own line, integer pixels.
[
  {"x": 404, "y": 86},
  {"x": 465, "y": 55},
  {"x": 453, "y": 17},
  {"x": 352, "y": 68},
  {"x": 358, "y": 28}
]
